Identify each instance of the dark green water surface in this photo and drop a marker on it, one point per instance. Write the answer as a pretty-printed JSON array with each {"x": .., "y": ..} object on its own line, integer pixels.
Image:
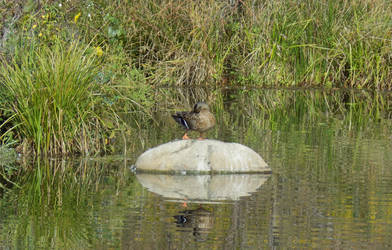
[{"x": 330, "y": 187}]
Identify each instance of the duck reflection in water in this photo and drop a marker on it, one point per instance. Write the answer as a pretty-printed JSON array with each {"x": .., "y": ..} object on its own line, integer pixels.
[{"x": 199, "y": 220}]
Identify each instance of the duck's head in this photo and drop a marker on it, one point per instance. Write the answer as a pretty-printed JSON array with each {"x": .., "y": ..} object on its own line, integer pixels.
[{"x": 200, "y": 106}]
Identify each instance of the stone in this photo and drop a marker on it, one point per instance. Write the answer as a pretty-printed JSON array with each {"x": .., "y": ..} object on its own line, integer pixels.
[{"x": 201, "y": 156}]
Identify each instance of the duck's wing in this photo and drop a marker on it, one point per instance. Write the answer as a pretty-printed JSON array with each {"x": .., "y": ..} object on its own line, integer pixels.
[{"x": 182, "y": 118}]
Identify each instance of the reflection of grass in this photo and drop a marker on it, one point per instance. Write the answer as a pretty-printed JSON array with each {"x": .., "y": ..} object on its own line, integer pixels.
[
  {"x": 8, "y": 168},
  {"x": 53, "y": 206},
  {"x": 275, "y": 108},
  {"x": 311, "y": 139},
  {"x": 279, "y": 108},
  {"x": 244, "y": 115}
]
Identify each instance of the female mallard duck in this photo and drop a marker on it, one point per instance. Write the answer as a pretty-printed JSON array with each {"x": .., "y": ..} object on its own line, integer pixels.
[{"x": 200, "y": 119}]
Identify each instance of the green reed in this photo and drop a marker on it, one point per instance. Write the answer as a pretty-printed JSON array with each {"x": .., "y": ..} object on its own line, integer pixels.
[{"x": 53, "y": 94}]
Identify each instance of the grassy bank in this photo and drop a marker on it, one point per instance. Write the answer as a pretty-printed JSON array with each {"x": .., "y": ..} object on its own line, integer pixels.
[
  {"x": 72, "y": 71},
  {"x": 273, "y": 43}
]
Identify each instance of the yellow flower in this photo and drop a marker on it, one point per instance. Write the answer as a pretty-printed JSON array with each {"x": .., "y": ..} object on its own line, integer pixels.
[
  {"x": 34, "y": 26},
  {"x": 98, "y": 51},
  {"x": 40, "y": 34},
  {"x": 77, "y": 17}
]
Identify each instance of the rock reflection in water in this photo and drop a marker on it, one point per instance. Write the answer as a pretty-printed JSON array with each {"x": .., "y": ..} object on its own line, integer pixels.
[{"x": 202, "y": 188}]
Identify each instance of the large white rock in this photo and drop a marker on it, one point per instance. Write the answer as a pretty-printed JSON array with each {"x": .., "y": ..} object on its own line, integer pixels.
[{"x": 201, "y": 156}]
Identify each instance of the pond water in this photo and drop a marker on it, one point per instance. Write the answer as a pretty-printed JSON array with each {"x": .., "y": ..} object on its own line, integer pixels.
[{"x": 330, "y": 187}]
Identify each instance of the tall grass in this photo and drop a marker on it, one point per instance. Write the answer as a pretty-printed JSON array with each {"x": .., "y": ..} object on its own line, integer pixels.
[
  {"x": 268, "y": 43},
  {"x": 264, "y": 43},
  {"x": 52, "y": 91}
]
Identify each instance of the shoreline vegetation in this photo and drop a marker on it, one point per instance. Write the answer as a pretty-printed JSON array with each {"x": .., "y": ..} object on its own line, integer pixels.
[{"x": 76, "y": 74}]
